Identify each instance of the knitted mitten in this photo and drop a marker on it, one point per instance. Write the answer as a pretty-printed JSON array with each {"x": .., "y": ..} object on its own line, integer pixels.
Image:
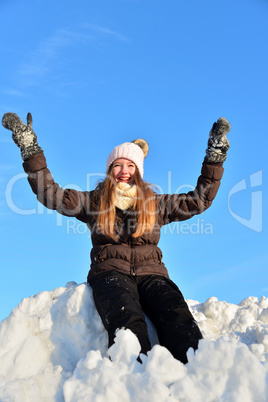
[
  {"x": 218, "y": 143},
  {"x": 23, "y": 136}
]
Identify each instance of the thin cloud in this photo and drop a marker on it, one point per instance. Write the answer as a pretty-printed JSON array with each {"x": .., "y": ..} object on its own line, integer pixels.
[
  {"x": 106, "y": 31},
  {"x": 49, "y": 49},
  {"x": 42, "y": 60},
  {"x": 13, "y": 92}
]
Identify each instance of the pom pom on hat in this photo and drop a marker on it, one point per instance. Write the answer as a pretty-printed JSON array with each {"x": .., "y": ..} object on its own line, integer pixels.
[
  {"x": 143, "y": 145},
  {"x": 135, "y": 151}
]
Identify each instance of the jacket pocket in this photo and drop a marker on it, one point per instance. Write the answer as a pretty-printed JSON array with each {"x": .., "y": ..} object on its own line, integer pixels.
[{"x": 99, "y": 255}]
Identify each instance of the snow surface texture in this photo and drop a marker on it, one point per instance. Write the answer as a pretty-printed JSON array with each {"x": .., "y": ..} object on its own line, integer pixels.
[{"x": 53, "y": 347}]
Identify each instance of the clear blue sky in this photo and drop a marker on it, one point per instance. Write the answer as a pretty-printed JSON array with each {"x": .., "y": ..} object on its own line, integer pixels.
[{"x": 95, "y": 74}]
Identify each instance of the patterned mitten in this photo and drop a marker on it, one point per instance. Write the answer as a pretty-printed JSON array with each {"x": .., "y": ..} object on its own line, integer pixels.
[
  {"x": 218, "y": 143},
  {"x": 22, "y": 134}
]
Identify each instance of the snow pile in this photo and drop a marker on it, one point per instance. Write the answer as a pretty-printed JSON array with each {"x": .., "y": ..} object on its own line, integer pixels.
[{"x": 53, "y": 347}]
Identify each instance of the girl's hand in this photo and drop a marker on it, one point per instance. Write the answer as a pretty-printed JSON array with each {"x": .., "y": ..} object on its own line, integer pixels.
[
  {"x": 218, "y": 143},
  {"x": 22, "y": 134}
]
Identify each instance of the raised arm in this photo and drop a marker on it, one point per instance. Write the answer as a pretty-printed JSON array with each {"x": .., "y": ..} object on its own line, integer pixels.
[
  {"x": 179, "y": 207},
  {"x": 67, "y": 202}
]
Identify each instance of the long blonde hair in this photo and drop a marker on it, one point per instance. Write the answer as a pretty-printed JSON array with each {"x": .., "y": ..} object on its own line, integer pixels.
[{"x": 144, "y": 206}]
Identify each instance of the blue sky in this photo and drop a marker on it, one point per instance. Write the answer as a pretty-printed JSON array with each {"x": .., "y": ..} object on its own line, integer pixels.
[{"x": 95, "y": 74}]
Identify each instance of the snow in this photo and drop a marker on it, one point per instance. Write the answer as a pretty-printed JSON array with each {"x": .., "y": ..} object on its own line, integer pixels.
[{"x": 53, "y": 347}]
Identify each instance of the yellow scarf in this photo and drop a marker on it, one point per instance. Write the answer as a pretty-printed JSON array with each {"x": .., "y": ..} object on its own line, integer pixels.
[{"x": 125, "y": 195}]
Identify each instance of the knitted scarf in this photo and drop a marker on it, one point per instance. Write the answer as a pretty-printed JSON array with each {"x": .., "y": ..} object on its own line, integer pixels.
[{"x": 124, "y": 195}]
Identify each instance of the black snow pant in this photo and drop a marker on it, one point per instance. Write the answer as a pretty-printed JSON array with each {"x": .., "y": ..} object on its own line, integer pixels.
[{"x": 122, "y": 300}]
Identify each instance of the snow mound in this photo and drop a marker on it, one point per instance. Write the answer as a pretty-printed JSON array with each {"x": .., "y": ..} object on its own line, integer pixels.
[{"x": 53, "y": 347}]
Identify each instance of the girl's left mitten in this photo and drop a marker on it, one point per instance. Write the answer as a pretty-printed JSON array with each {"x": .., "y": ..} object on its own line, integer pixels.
[{"x": 218, "y": 143}]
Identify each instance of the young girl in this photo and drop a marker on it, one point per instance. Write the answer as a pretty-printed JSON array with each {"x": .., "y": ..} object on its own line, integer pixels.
[{"x": 125, "y": 216}]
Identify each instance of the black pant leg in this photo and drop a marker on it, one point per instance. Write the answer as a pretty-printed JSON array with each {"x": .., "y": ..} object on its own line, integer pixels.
[
  {"x": 164, "y": 304},
  {"x": 117, "y": 301}
]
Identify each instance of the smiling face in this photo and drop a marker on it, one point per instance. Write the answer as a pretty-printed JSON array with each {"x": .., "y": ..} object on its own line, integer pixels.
[{"x": 123, "y": 170}]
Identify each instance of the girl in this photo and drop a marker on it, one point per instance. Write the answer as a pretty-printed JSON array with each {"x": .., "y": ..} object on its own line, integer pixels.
[{"x": 125, "y": 216}]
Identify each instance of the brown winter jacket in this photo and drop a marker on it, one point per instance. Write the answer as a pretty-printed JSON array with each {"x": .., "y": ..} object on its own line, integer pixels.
[{"x": 135, "y": 256}]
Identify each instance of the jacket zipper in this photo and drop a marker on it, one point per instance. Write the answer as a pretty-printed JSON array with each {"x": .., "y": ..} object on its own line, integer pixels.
[{"x": 132, "y": 266}]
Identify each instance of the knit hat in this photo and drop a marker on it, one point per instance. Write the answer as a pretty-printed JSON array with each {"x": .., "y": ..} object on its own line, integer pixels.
[{"x": 135, "y": 151}]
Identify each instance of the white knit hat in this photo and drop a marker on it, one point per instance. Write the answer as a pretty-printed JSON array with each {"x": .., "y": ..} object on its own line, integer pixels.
[{"x": 135, "y": 151}]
